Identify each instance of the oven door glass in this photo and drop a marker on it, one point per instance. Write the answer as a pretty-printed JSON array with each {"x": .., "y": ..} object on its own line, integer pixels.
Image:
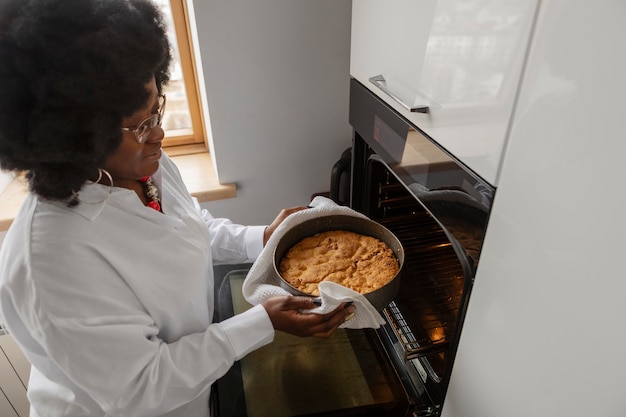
[{"x": 346, "y": 374}]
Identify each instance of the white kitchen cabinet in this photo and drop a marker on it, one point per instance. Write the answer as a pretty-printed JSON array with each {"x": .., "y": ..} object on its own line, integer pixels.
[
  {"x": 543, "y": 335},
  {"x": 451, "y": 67},
  {"x": 14, "y": 373}
]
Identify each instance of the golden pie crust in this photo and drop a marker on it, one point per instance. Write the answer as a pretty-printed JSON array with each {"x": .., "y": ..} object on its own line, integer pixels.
[{"x": 359, "y": 262}]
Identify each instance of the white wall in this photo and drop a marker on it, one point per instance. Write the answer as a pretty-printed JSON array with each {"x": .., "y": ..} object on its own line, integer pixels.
[{"x": 276, "y": 75}]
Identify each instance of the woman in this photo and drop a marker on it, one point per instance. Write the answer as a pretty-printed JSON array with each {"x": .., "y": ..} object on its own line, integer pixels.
[{"x": 106, "y": 273}]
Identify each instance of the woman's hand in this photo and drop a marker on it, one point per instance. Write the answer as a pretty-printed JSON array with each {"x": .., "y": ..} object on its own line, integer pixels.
[
  {"x": 284, "y": 311},
  {"x": 284, "y": 213}
]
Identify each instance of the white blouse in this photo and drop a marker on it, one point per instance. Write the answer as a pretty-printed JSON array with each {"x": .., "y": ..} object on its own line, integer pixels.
[{"x": 112, "y": 301}]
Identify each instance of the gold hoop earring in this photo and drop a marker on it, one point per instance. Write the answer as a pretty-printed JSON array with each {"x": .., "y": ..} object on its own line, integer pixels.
[
  {"x": 100, "y": 175},
  {"x": 97, "y": 180},
  {"x": 109, "y": 177}
]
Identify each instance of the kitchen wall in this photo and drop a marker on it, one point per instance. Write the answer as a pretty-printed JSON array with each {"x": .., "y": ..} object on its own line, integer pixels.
[{"x": 276, "y": 76}]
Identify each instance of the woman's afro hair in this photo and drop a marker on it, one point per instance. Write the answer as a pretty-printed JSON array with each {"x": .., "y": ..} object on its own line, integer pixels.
[{"x": 70, "y": 71}]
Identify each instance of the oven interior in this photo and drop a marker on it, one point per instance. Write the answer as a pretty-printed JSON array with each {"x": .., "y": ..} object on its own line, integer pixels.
[
  {"x": 442, "y": 242},
  {"x": 423, "y": 319}
]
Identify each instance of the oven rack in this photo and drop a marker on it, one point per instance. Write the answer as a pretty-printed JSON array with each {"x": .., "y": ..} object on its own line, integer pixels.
[
  {"x": 411, "y": 345},
  {"x": 423, "y": 315}
]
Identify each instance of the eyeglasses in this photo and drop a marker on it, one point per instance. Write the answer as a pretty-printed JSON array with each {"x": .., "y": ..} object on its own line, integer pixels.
[{"x": 145, "y": 126}]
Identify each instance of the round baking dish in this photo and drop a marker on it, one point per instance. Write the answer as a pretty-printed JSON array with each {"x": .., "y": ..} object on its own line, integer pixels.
[{"x": 379, "y": 298}]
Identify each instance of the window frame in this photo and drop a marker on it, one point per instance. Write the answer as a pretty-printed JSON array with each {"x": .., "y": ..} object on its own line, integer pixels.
[{"x": 196, "y": 136}]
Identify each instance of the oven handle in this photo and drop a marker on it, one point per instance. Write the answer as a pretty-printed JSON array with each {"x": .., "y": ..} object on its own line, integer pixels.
[
  {"x": 421, "y": 351},
  {"x": 379, "y": 81},
  {"x": 430, "y": 411}
]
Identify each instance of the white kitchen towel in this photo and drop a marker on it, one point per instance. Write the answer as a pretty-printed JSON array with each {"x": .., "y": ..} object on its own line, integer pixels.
[{"x": 262, "y": 282}]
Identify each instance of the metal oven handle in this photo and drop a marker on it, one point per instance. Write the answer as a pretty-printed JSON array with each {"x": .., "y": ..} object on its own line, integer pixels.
[
  {"x": 427, "y": 412},
  {"x": 380, "y": 82}
]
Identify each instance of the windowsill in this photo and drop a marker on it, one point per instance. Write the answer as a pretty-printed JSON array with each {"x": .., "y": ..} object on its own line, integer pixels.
[{"x": 196, "y": 169}]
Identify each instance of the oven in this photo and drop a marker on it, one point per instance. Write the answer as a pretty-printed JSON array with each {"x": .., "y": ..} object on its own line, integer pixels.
[{"x": 439, "y": 210}]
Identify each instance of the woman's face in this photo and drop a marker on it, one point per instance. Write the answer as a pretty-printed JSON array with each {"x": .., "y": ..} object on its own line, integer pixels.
[{"x": 132, "y": 160}]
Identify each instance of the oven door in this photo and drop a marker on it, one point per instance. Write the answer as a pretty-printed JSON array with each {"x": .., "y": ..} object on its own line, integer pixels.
[{"x": 347, "y": 374}]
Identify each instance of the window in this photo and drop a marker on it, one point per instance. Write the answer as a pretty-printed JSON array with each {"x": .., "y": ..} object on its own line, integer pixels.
[{"x": 183, "y": 118}]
